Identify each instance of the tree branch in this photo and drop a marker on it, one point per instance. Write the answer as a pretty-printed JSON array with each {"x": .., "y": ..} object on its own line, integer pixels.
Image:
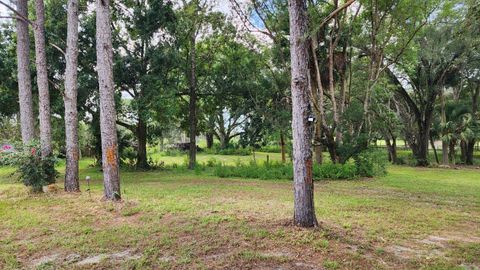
[
  {"x": 334, "y": 13},
  {"x": 126, "y": 125},
  {"x": 21, "y": 17}
]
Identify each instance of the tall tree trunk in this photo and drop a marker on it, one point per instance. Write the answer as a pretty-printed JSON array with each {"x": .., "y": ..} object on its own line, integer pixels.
[
  {"x": 282, "y": 147},
  {"x": 444, "y": 152},
  {"x": 393, "y": 150},
  {"x": 304, "y": 210},
  {"x": 444, "y": 121},
  {"x": 463, "y": 151},
  {"x": 192, "y": 106},
  {"x": 42, "y": 79},
  {"x": 317, "y": 146},
  {"x": 389, "y": 148},
  {"x": 95, "y": 124},
  {"x": 451, "y": 151},
  {"x": 332, "y": 147},
  {"x": 318, "y": 102},
  {"x": 27, "y": 123},
  {"x": 70, "y": 99},
  {"x": 331, "y": 84},
  {"x": 111, "y": 176},
  {"x": 141, "y": 130},
  {"x": 421, "y": 153},
  {"x": 209, "y": 135},
  {"x": 209, "y": 139},
  {"x": 221, "y": 138},
  {"x": 432, "y": 143}
]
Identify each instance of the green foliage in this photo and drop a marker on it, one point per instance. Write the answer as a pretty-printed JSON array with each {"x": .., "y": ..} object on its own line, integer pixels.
[
  {"x": 231, "y": 151},
  {"x": 32, "y": 170},
  {"x": 8, "y": 84},
  {"x": 335, "y": 171},
  {"x": 371, "y": 163},
  {"x": 172, "y": 152},
  {"x": 277, "y": 170},
  {"x": 270, "y": 148}
]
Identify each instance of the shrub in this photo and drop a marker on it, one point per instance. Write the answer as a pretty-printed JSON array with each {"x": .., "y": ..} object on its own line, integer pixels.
[
  {"x": 335, "y": 171},
  {"x": 270, "y": 149},
  {"x": 212, "y": 162},
  {"x": 371, "y": 163},
  {"x": 32, "y": 170},
  {"x": 277, "y": 170},
  {"x": 228, "y": 151}
]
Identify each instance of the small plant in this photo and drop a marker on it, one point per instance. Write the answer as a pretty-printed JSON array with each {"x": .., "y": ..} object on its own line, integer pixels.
[
  {"x": 331, "y": 264},
  {"x": 32, "y": 170},
  {"x": 212, "y": 162},
  {"x": 371, "y": 163}
]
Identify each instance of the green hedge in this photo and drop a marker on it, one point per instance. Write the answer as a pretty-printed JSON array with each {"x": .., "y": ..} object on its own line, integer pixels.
[
  {"x": 366, "y": 164},
  {"x": 284, "y": 171}
]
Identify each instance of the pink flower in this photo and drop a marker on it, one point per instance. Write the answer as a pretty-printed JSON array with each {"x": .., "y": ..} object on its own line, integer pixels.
[{"x": 34, "y": 151}]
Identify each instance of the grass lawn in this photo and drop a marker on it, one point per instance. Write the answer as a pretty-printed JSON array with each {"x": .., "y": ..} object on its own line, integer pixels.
[{"x": 175, "y": 219}]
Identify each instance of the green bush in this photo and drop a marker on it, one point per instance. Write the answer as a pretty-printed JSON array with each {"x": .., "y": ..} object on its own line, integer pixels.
[
  {"x": 32, "y": 170},
  {"x": 335, "y": 171},
  {"x": 371, "y": 163},
  {"x": 212, "y": 162},
  {"x": 270, "y": 149},
  {"x": 231, "y": 151},
  {"x": 276, "y": 170}
]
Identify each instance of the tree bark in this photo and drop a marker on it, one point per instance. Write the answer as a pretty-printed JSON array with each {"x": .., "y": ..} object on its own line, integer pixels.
[
  {"x": 463, "y": 151},
  {"x": 304, "y": 210},
  {"x": 27, "y": 123},
  {"x": 42, "y": 80},
  {"x": 432, "y": 143},
  {"x": 70, "y": 99},
  {"x": 444, "y": 121},
  {"x": 451, "y": 151},
  {"x": 111, "y": 177},
  {"x": 209, "y": 138},
  {"x": 192, "y": 106},
  {"x": 141, "y": 130},
  {"x": 392, "y": 149},
  {"x": 421, "y": 153},
  {"x": 282, "y": 147}
]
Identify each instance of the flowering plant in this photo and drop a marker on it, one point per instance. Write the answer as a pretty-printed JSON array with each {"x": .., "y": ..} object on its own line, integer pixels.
[{"x": 32, "y": 169}]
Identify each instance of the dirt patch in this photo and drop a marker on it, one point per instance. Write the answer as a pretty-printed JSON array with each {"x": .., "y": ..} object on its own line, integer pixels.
[
  {"x": 404, "y": 252},
  {"x": 76, "y": 259},
  {"x": 45, "y": 259},
  {"x": 433, "y": 246}
]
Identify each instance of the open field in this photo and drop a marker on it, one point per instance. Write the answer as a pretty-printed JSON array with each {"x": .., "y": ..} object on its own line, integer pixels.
[{"x": 174, "y": 219}]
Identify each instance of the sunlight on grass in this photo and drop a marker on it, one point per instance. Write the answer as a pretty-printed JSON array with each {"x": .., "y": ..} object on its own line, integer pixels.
[{"x": 193, "y": 217}]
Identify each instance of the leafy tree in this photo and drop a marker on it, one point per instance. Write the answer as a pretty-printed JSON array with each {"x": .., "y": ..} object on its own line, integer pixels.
[
  {"x": 143, "y": 64},
  {"x": 196, "y": 20}
]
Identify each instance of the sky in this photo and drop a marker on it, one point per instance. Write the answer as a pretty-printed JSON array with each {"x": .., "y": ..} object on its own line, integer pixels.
[
  {"x": 3, "y": 10},
  {"x": 221, "y": 5}
]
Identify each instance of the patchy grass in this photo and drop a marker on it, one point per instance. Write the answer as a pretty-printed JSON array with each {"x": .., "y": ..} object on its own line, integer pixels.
[{"x": 412, "y": 218}]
